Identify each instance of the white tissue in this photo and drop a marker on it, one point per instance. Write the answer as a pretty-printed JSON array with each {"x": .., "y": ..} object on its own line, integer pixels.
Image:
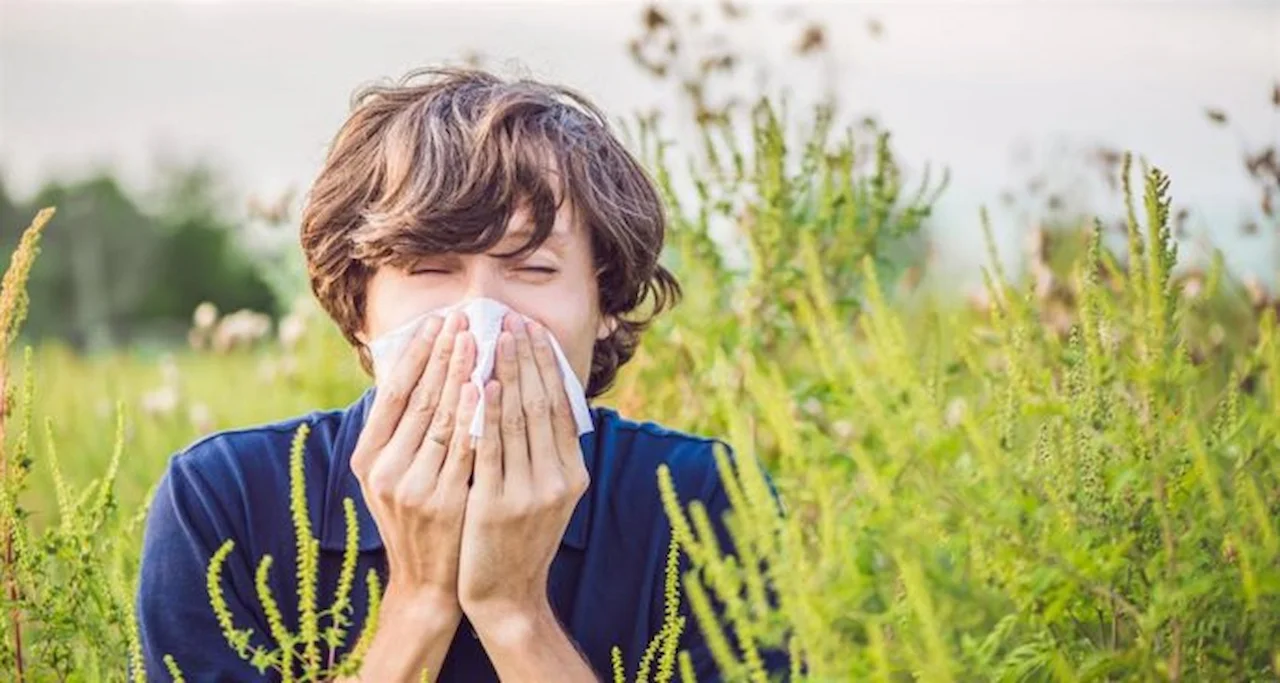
[{"x": 485, "y": 323}]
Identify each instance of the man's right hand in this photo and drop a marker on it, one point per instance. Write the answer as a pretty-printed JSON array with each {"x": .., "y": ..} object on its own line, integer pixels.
[{"x": 413, "y": 461}]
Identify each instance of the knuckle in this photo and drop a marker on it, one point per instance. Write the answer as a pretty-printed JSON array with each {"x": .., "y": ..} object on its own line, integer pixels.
[
  {"x": 578, "y": 480},
  {"x": 445, "y": 417},
  {"x": 396, "y": 393},
  {"x": 458, "y": 374},
  {"x": 513, "y": 422},
  {"x": 437, "y": 436},
  {"x": 382, "y": 485},
  {"x": 429, "y": 505},
  {"x": 360, "y": 464},
  {"x": 442, "y": 351},
  {"x": 506, "y": 369},
  {"x": 458, "y": 370},
  {"x": 457, "y": 360},
  {"x": 411, "y": 496},
  {"x": 462, "y": 423},
  {"x": 424, "y": 401},
  {"x": 440, "y": 436},
  {"x": 536, "y": 405},
  {"x": 523, "y": 507},
  {"x": 460, "y": 348},
  {"x": 555, "y": 492},
  {"x": 513, "y": 427}
]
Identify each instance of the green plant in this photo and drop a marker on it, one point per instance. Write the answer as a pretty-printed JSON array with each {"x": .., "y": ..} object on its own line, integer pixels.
[
  {"x": 1004, "y": 503},
  {"x": 67, "y": 587},
  {"x": 304, "y": 644},
  {"x": 991, "y": 494}
]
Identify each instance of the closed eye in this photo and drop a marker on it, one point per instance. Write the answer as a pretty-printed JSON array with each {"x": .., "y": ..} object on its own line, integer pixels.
[{"x": 538, "y": 269}]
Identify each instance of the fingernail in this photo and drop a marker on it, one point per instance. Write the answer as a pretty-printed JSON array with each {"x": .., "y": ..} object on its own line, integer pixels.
[
  {"x": 520, "y": 329},
  {"x": 535, "y": 330},
  {"x": 504, "y": 345}
]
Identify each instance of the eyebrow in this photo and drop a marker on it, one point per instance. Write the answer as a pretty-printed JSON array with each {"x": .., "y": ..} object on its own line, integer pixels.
[{"x": 556, "y": 240}]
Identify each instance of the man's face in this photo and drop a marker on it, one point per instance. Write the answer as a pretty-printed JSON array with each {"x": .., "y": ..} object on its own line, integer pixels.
[{"x": 555, "y": 285}]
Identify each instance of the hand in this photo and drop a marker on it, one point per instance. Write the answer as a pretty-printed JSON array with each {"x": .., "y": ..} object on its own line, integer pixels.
[
  {"x": 413, "y": 460},
  {"x": 529, "y": 475}
]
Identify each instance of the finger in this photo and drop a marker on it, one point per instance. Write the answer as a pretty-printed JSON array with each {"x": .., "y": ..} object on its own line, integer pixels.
[
  {"x": 515, "y": 442},
  {"x": 436, "y": 441},
  {"x": 564, "y": 428},
  {"x": 428, "y": 394},
  {"x": 543, "y": 459},
  {"x": 460, "y": 459},
  {"x": 425, "y": 475},
  {"x": 488, "y": 458},
  {"x": 391, "y": 462},
  {"x": 390, "y": 400}
]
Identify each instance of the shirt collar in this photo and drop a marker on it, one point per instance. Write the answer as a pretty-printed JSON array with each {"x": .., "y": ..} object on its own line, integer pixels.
[{"x": 342, "y": 484}]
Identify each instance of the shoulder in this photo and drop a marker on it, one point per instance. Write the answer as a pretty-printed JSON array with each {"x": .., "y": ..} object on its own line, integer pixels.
[
  {"x": 262, "y": 449},
  {"x": 237, "y": 482},
  {"x": 633, "y": 453}
]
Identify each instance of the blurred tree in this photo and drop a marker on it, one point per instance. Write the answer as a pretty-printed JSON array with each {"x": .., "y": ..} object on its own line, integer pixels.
[
  {"x": 198, "y": 261},
  {"x": 95, "y": 263},
  {"x": 113, "y": 272}
]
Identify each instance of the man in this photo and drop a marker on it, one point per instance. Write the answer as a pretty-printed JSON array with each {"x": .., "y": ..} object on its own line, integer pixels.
[{"x": 525, "y": 554}]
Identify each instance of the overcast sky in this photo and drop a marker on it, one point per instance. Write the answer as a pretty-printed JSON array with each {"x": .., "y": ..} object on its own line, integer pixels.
[{"x": 260, "y": 87}]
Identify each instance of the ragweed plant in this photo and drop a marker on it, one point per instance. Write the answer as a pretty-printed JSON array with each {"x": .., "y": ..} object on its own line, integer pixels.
[
  {"x": 796, "y": 209},
  {"x": 66, "y": 588},
  {"x": 296, "y": 654},
  {"x": 992, "y": 501},
  {"x": 660, "y": 655},
  {"x": 969, "y": 495}
]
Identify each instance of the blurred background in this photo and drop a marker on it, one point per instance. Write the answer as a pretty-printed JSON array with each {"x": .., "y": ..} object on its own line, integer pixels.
[
  {"x": 1010, "y": 460},
  {"x": 178, "y": 138}
]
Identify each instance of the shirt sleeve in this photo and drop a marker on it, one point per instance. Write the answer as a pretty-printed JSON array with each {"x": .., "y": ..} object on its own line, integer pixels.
[
  {"x": 185, "y": 526},
  {"x": 777, "y": 662}
]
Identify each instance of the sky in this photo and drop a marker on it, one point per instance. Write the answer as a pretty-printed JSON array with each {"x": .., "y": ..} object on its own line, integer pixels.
[{"x": 989, "y": 90}]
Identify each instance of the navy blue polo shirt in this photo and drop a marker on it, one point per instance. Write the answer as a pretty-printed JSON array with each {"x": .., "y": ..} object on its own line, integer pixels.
[{"x": 606, "y": 581}]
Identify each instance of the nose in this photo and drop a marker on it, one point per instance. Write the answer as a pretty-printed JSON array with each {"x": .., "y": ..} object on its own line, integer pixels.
[{"x": 484, "y": 281}]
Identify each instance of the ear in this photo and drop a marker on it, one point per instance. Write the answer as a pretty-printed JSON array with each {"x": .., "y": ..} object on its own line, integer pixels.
[{"x": 608, "y": 324}]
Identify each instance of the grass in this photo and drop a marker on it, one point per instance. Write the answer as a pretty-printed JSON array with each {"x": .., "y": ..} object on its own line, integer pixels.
[{"x": 971, "y": 494}]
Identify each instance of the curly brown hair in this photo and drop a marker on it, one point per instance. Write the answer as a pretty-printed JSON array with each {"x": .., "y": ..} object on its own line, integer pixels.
[{"x": 440, "y": 160}]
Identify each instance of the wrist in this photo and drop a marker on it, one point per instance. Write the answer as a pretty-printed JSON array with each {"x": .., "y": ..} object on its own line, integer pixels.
[
  {"x": 420, "y": 605},
  {"x": 512, "y": 625},
  {"x": 413, "y": 632}
]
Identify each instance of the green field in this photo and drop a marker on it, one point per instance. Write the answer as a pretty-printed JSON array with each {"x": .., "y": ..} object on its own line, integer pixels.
[{"x": 1076, "y": 482}]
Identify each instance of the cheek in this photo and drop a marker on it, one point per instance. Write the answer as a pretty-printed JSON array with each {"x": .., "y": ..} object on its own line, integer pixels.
[
  {"x": 391, "y": 300},
  {"x": 578, "y": 351}
]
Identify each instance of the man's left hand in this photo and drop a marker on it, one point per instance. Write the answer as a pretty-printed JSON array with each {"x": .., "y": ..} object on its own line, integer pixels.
[{"x": 529, "y": 475}]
